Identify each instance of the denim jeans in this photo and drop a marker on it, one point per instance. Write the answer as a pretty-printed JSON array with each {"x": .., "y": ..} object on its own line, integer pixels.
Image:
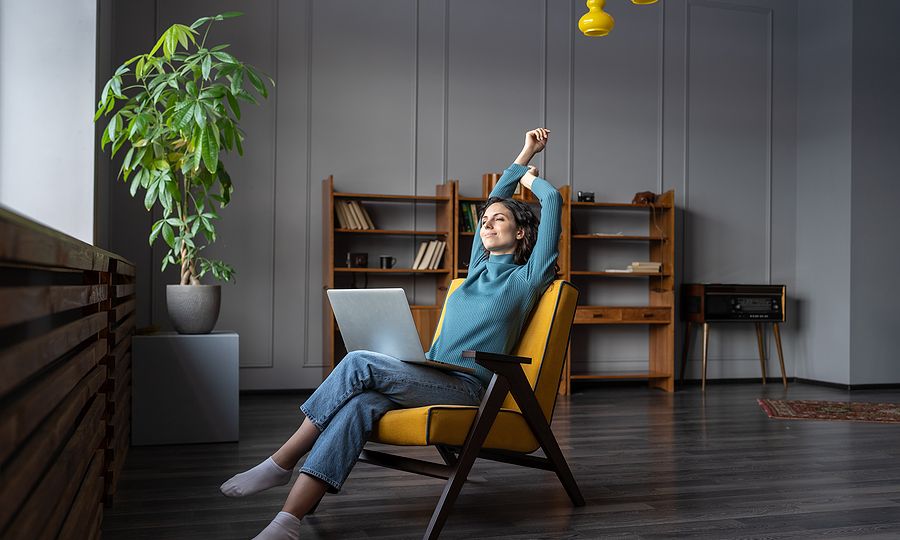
[{"x": 361, "y": 389}]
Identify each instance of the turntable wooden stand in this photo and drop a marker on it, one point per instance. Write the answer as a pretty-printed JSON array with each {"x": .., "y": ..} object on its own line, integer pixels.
[{"x": 699, "y": 315}]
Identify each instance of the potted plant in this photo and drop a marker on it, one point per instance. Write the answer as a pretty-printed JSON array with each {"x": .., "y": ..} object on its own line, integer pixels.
[{"x": 174, "y": 110}]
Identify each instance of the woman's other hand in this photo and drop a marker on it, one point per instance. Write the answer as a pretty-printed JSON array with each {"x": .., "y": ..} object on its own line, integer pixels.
[{"x": 529, "y": 177}]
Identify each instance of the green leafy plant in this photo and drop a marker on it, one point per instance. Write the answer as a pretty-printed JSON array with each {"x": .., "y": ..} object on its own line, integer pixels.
[{"x": 174, "y": 113}]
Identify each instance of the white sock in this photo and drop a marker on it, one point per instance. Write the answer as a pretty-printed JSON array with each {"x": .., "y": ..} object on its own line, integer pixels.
[
  {"x": 285, "y": 526},
  {"x": 267, "y": 474}
]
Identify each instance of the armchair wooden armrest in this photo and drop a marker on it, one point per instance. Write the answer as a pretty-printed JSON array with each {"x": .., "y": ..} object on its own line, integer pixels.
[{"x": 487, "y": 358}]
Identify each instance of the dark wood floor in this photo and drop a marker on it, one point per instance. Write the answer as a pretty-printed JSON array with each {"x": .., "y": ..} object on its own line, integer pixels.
[{"x": 650, "y": 465}]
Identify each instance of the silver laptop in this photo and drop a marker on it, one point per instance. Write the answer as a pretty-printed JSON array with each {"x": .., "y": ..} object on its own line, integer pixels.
[{"x": 380, "y": 320}]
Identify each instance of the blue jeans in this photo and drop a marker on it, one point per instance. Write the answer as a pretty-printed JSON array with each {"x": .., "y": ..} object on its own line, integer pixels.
[{"x": 361, "y": 389}]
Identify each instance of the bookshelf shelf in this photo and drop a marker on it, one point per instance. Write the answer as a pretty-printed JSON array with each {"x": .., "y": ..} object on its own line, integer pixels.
[
  {"x": 392, "y": 270},
  {"x": 617, "y": 274},
  {"x": 621, "y": 206},
  {"x": 619, "y": 237},
  {"x": 390, "y": 232},
  {"x": 391, "y": 198},
  {"x": 617, "y": 376}
]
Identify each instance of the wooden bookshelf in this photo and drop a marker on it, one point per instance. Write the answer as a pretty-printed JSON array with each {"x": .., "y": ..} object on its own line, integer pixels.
[
  {"x": 336, "y": 274},
  {"x": 659, "y": 312}
]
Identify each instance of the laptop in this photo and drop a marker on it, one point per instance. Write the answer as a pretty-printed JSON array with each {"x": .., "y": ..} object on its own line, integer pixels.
[{"x": 380, "y": 320}]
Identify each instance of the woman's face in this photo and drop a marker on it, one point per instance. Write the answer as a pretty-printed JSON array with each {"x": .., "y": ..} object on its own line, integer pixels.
[{"x": 498, "y": 231}]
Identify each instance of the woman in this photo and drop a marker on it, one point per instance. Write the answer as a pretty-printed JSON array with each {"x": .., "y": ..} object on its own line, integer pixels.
[{"x": 512, "y": 263}]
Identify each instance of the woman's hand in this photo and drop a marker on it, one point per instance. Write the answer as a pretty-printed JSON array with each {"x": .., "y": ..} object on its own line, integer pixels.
[{"x": 535, "y": 141}]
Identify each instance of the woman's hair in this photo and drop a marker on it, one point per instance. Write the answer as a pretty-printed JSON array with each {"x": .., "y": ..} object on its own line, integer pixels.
[{"x": 524, "y": 218}]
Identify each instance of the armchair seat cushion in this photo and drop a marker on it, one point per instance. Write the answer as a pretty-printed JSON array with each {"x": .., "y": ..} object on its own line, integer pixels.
[{"x": 449, "y": 424}]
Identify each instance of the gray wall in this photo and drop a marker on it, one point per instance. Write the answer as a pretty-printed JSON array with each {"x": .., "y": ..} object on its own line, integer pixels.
[
  {"x": 698, "y": 96},
  {"x": 848, "y": 121},
  {"x": 823, "y": 187},
  {"x": 875, "y": 258}
]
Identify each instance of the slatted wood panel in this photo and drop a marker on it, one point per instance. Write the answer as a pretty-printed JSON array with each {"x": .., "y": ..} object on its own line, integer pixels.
[
  {"x": 118, "y": 363},
  {"x": 66, "y": 319}
]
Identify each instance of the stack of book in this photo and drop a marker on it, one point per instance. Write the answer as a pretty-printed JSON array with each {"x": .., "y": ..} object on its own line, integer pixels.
[
  {"x": 468, "y": 216},
  {"x": 429, "y": 255},
  {"x": 352, "y": 215},
  {"x": 639, "y": 267}
]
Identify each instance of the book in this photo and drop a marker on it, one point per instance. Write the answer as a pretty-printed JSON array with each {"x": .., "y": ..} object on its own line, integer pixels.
[
  {"x": 357, "y": 215},
  {"x": 351, "y": 222},
  {"x": 645, "y": 267},
  {"x": 367, "y": 220},
  {"x": 420, "y": 255},
  {"x": 473, "y": 211},
  {"x": 426, "y": 259},
  {"x": 438, "y": 253},
  {"x": 466, "y": 218},
  {"x": 339, "y": 212},
  {"x": 348, "y": 215}
]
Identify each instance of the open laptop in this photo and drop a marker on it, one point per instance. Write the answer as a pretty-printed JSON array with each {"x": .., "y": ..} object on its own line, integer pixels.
[{"x": 380, "y": 320}]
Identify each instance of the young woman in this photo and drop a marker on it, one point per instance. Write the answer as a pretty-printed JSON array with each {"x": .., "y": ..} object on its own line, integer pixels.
[{"x": 513, "y": 261}]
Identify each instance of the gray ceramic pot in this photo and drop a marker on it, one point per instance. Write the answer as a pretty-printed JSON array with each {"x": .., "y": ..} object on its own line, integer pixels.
[{"x": 193, "y": 309}]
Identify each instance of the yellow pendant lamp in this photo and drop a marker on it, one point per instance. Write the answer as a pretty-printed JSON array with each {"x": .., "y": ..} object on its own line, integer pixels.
[{"x": 596, "y": 22}]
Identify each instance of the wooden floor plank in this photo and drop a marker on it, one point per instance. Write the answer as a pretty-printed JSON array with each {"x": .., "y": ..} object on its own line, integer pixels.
[{"x": 651, "y": 465}]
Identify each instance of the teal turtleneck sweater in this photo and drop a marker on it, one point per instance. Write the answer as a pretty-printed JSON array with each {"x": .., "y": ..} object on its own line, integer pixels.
[{"x": 487, "y": 311}]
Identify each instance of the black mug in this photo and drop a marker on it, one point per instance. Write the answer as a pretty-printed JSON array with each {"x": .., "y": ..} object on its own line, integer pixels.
[
  {"x": 357, "y": 260},
  {"x": 585, "y": 196},
  {"x": 386, "y": 261}
]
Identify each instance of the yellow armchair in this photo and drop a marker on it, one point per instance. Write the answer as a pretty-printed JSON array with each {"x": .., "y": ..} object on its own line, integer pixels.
[{"x": 513, "y": 419}]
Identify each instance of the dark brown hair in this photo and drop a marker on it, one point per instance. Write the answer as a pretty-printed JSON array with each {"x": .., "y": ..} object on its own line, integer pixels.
[{"x": 524, "y": 218}]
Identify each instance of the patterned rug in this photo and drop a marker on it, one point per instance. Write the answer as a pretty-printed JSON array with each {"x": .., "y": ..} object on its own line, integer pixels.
[{"x": 888, "y": 413}]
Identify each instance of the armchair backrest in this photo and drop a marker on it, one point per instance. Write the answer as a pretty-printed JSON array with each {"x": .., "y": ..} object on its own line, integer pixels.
[{"x": 544, "y": 339}]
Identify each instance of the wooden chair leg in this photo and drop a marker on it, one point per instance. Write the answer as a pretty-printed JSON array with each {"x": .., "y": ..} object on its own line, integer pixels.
[
  {"x": 484, "y": 419},
  {"x": 446, "y": 454},
  {"x": 534, "y": 416}
]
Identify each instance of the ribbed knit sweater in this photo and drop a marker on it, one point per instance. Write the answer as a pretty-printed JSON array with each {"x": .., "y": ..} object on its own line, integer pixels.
[{"x": 487, "y": 311}]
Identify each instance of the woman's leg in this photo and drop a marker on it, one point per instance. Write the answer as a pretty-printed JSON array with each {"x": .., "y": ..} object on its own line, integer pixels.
[
  {"x": 277, "y": 469},
  {"x": 361, "y": 392},
  {"x": 406, "y": 385},
  {"x": 339, "y": 446},
  {"x": 297, "y": 446},
  {"x": 329, "y": 462}
]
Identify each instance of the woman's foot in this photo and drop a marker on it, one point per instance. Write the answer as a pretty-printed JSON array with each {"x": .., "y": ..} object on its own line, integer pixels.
[
  {"x": 267, "y": 474},
  {"x": 285, "y": 526}
]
